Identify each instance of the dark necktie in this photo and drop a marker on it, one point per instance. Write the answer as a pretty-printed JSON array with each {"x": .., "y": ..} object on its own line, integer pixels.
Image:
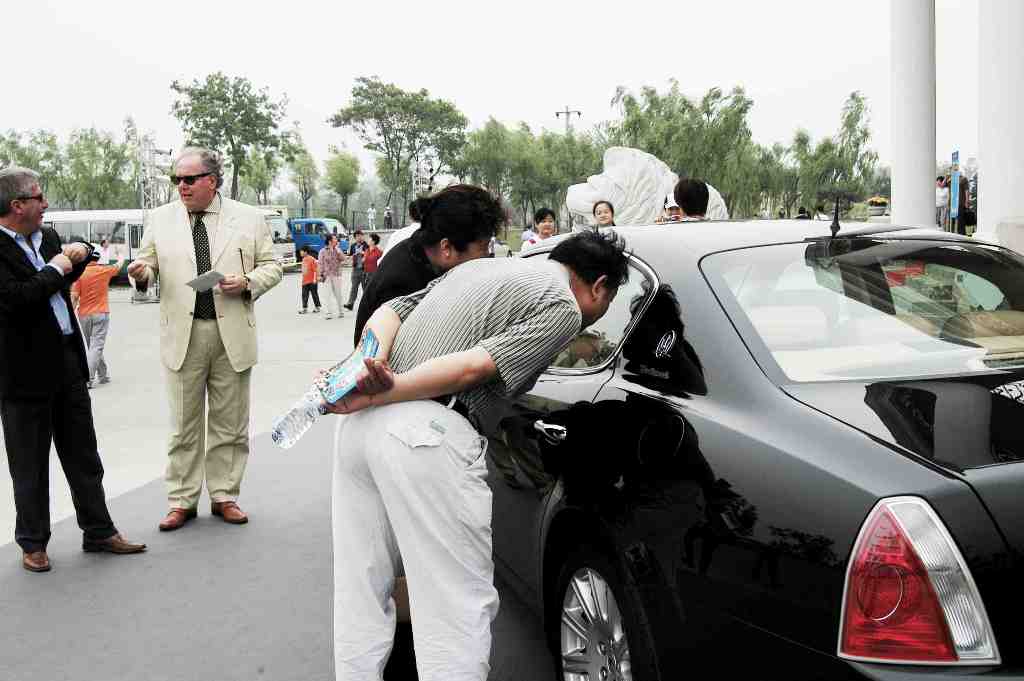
[{"x": 204, "y": 301}]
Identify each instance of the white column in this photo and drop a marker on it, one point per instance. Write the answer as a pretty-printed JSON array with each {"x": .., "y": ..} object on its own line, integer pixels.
[
  {"x": 1001, "y": 122},
  {"x": 913, "y": 112}
]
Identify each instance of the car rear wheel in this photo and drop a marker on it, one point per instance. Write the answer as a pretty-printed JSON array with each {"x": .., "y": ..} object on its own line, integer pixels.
[{"x": 597, "y": 633}]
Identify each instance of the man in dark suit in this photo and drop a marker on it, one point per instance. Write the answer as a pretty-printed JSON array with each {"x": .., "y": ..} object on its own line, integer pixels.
[{"x": 43, "y": 371}]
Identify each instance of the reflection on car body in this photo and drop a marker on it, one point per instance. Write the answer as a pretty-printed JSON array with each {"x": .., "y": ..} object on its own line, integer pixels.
[{"x": 683, "y": 491}]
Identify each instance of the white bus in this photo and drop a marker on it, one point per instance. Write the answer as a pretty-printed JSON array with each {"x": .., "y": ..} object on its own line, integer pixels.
[{"x": 124, "y": 228}]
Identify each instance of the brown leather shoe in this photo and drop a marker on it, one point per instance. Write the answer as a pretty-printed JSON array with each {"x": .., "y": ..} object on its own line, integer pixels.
[
  {"x": 229, "y": 511},
  {"x": 115, "y": 544},
  {"x": 36, "y": 561},
  {"x": 177, "y": 517}
]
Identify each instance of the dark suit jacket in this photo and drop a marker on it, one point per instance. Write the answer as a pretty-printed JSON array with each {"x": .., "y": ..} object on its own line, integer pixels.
[
  {"x": 405, "y": 270},
  {"x": 30, "y": 337}
]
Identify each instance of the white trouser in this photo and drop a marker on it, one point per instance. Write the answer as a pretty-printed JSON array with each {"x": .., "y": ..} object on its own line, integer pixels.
[
  {"x": 409, "y": 491},
  {"x": 334, "y": 293}
]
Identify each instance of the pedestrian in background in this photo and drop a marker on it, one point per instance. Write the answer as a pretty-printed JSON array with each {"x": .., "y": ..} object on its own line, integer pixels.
[
  {"x": 309, "y": 281},
  {"x": 544, "y": 227},
  {"x": 207, "y": 339},
  {"x": 604, "y": 213},
  {"x": 405, "y": 232},
  {"x": 330, "y": 261},
  {"x": 371, "y": 260},
  {"x": 90, "y": 298},
  {"x": 43, "y": 399},
  {"x": 356, "y": 254},
  {"x": 941, "y": 201}
]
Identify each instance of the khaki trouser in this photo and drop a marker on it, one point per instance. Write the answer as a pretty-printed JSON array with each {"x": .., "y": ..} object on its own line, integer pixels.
[
  {"x": 334, "y": 292},
  {"x": 216, "y": 450},
  {"x": 94, "y": 329}
]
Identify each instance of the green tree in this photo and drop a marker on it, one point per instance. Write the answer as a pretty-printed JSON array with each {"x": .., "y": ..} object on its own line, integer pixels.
[
  {"x": 101, "y": 170},
  {"x": 39, "y": 151},
  {"x": 839, "y": 168},
  {"x": 403, "y": 127},
  {"x": 707, "y": 138},
  {"x": 342, "y": 178},
  {"x": 230, "y": 115},
  {"x": 305, "y": 176},
  {"x": 487, "y": 157},
  {"x": 260, "y": 172}
]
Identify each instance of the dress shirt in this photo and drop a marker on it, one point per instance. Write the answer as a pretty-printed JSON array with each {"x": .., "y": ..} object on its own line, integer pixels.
[
  {"x": 211, "y": 219},
  {"x": 60, "y": 308}
]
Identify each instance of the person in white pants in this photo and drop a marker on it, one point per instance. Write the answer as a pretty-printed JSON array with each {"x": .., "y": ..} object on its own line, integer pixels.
[
  {"x": 329, "y": 263},
  {"x": 409, "y": 473}
]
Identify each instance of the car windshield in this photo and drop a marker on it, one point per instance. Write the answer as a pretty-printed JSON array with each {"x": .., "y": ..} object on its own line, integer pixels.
[{"x": 874, "y": 308}]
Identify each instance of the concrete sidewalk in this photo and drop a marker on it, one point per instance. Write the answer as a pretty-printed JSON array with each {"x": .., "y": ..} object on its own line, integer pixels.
[{"x": 212, "y": 600}]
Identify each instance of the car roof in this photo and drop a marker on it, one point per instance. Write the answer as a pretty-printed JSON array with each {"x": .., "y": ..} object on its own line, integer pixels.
[{"x": 699, "y": 238}]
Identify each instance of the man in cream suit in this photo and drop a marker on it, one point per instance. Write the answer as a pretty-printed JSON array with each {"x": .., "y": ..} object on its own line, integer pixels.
[{"x": 207, "y": 340}]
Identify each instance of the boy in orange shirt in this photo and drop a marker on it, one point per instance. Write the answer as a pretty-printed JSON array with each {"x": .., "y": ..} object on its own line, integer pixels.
[
  {"x": 89, "y": 295},
  {"x": 309, "y": 280}
]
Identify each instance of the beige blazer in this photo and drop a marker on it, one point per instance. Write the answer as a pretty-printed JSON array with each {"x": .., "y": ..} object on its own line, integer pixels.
[{"x": 167, "y": 248}]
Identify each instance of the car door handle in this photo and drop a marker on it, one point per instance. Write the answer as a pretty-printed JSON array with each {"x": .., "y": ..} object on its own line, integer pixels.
[{"x": 553, "y": 433}]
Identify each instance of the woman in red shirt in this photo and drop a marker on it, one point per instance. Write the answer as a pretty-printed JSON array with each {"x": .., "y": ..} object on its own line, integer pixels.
[
  {"x": 371, "y": 258},
  {"x": 309, "y": 281}
]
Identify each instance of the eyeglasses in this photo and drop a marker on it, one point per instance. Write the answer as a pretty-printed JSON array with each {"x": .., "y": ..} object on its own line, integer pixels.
[
  {"x": 187, "y": 179},
  {"x": 37, "y": 197}
]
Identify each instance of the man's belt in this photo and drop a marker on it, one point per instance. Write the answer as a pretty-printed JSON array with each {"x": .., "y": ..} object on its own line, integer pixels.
[{"x": 455, "y": 405}]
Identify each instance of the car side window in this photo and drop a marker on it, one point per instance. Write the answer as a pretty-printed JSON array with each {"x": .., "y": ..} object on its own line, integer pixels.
[{"x": 598, "y": 342}]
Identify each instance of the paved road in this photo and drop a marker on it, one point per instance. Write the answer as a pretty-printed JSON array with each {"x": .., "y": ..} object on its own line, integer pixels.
[{"x": 211, "y": 600}]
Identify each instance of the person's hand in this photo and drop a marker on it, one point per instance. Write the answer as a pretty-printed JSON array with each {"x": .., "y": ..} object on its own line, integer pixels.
[
  {"x": 76, "y": 252},
  {"x": 233, "y": 284},
  {"x": 137, "y": 270},
  {"x": 350, "y": 404},
  {"x": 63, "y": 262},
  {"x": 376, "y": 378}
]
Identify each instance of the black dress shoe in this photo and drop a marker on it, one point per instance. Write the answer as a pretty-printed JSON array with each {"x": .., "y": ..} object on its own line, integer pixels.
[{"x": 115, "y": 544}]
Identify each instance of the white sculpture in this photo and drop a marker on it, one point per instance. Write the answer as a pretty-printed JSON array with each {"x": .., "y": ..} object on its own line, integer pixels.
[
  {"x": 636, "y": 184},
  {"x": 633, "y": 181}
]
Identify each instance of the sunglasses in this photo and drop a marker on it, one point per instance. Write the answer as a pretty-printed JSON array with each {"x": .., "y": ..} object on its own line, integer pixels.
[
  {"x": 187, "y": 179},
  {"x": 37, "y": 197}
]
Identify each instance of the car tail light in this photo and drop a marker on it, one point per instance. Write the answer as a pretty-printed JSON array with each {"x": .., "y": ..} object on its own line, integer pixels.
[{"x": 909, "y": 597}]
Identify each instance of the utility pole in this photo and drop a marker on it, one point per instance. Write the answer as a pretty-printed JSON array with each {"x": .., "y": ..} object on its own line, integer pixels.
[{"x": 568, "y": 116}]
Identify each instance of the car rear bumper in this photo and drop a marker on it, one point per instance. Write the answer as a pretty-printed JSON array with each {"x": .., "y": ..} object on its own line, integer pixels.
[{"x": 884, "y": 672}]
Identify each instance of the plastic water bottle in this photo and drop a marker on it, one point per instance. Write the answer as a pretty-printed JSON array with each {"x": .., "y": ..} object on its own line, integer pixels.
[
  {"x": 330, "y": 386},
  {"x": 288, "y": 428}
]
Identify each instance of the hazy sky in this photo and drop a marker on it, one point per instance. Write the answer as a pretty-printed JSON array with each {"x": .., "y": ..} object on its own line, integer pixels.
[{"x": 93, "y": 63}]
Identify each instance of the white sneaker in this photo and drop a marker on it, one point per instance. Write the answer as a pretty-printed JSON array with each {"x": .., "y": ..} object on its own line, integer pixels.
[{"x": 328, "y": 316}]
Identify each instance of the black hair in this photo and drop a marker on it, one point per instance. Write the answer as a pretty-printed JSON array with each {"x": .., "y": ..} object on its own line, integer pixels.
[
  {"x": 692, "y": 196},
  {"x": 375, "y": 237},
  {"x": 542, "y": 213},
  {"x": 357, "y": 232},
  {"x": 304, "y": 249},
  {"x": 940, "y": 178},
  {"x": 332, "y": 235},
  {"x": 592, "y": 255},
  {"x": 593, "y": 211},
  {"x": 415, "y": 210},
  {"x": 461, "y": 213}
]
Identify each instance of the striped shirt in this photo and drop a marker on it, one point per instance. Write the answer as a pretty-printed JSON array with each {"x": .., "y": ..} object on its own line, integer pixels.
[{"x": 522, "y": 312}]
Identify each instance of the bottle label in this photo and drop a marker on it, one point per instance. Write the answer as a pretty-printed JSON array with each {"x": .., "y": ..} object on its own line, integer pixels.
[{"x": 341, "y": 378}]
